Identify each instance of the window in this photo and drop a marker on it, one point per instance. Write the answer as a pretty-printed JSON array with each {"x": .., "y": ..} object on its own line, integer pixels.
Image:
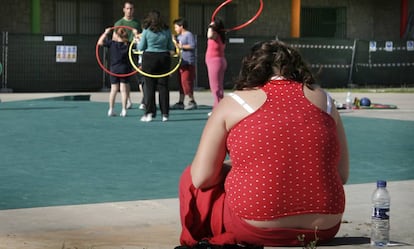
[
  {"x": 79, "y": 17},
  {"x": 323, "y": 22},
  {"x": 199, "y": 16},
  {"x": 66, "y": 17},
  {"x": 90, "y": 18}
]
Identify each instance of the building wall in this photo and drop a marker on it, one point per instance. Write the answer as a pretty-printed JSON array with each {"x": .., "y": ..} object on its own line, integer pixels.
[
  {"x": 15, "y": 16},
  {"x": 386, "y": 20},
  {"x": 142, "y": 8},
  {"x": 367, "y": 19},
  {"x": 48, "y": 25}
]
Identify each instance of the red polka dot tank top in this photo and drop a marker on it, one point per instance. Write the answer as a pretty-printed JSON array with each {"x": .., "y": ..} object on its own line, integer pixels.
[{"x": 284, "y": 158}]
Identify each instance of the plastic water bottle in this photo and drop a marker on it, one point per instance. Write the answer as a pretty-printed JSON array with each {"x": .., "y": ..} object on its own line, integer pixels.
[
  {"x": 348, "y": 100},
  {"x": 380, "y": 218}
]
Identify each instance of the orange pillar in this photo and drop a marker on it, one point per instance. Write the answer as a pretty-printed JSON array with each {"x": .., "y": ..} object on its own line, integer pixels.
[
  {"x": 174, "y": 12},
  {"x": 295, "y": 19}
]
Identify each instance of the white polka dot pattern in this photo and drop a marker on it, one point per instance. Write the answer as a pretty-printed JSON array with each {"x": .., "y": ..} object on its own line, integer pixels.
[{"x": 284, "y": 158}]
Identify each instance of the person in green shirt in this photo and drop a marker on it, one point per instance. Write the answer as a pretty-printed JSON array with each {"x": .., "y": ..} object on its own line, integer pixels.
[
  {"x": 129, "y": 20},
  {"x": 157, "y": 46}
]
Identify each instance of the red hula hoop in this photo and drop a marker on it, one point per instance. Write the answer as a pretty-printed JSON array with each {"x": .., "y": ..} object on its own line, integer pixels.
[
  {"x": 98, "y": 59},
  {"x": 259, "y": 11}
]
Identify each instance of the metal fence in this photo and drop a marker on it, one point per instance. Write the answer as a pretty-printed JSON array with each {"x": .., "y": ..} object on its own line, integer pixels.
[
  {"x": 384, "y": 63},
  {"x": 36, "y": 63},
  {"x": 31, "y": 63},
  {"x": 331, "y": 60}
]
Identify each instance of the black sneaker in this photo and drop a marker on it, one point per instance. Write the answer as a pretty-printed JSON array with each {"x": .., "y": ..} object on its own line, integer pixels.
[
  {"x": 183, "y": 247},
  {"x": 204, "y": 244},
  {"x": 178, "y": 106}
]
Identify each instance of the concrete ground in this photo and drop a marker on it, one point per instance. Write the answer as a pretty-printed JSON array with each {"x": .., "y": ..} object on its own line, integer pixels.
[{"x": 154, "y": 224}]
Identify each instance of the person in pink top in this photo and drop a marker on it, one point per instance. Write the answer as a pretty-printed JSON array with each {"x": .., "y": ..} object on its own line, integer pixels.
[
  {"x": 215, "y": 59},
  {"x": 271, "y": 162}
]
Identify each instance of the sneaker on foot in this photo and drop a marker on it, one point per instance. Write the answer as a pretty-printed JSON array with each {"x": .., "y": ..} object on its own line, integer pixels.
[
  {"x": 129, "y": 105},
  {"x": 123, "y": 113},
  {"x": 146, "y": 118},
  {"x": 111, "y": 113},
  {"x": 191, "y": 105},
  {"x": 142, "y": 107},
  {"x": 164, "y": 118},
  {"x": 178, "y": 106}
]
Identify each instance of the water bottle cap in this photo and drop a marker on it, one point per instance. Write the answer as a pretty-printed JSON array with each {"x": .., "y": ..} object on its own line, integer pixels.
[{"x": 381, "y": 184}]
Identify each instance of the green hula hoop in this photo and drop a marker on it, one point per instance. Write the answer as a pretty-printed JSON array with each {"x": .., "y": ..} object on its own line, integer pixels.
[{"x": 131, "y": 60}]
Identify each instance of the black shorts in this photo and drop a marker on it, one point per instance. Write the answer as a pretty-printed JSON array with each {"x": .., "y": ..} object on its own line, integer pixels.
[{"x": 117, "y": 80}]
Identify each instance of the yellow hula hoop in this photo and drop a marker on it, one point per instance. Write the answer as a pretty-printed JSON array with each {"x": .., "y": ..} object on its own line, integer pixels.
[{"x": 131, "y": 60}]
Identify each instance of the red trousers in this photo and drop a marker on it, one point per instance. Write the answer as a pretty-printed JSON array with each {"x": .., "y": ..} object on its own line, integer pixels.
[
  {"x": 205, "y": 215},
  {"x": 186, "y": 78}
]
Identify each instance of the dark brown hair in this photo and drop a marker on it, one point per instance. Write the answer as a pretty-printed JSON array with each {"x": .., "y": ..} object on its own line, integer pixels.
[
  {"x": 128, "y": 2},
  {"x": 154, "y": 22},
  {"x": 181, "y": 22},
  {"x": 218, "y": 26},
  {"x": 270, "y": 58}
]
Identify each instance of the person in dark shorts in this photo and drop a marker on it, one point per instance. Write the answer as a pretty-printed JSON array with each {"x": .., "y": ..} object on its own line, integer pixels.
[{"x": 119, "y": 64}]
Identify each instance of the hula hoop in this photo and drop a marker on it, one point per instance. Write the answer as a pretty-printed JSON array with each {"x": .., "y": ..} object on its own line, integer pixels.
[
  {"x": 103, "y": 67},
  {"x": 259, "y": 11},
  {"x": 131, "y": 60}
]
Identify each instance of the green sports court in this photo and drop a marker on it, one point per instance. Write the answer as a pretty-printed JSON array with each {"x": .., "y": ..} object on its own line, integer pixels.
[{"x": 64, "y": 151}]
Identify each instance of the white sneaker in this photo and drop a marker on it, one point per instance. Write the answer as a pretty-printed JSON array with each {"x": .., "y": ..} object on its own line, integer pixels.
[
  {"x": 142, "y": 107},
  {"x": 164, "y": 118},
  {"x": 111, "y": 113},
  {"x": 129, "y": 105},
  {"x": 147, "y": 118},
  {"x": 123, "y": 113},
  {"x": 191, "y": 105}
]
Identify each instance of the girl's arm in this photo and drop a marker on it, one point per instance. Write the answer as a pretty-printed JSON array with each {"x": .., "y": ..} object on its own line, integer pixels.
[
  {"x": 171, "y": 46},
  {"x": 207, "y": 168},
  {"x": 142, "y": 44},
  {"x": 189, "y": 43},
  {"x": 210, "y": 33},
  {"x": 103, "y": 36},
  {"x": 343, "y": 165}
]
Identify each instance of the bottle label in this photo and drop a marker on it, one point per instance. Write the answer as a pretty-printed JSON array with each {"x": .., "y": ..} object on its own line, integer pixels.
[{"x": 381, "y": 213}]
